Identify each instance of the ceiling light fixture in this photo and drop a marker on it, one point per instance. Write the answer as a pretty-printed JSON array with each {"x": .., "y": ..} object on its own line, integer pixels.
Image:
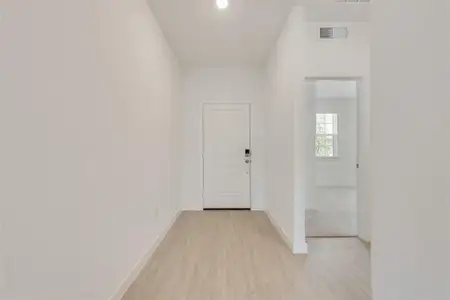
[{"x": 222, "y": 4}]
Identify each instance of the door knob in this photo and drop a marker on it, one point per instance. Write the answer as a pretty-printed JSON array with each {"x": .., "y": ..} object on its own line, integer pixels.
[{"x": 247, "y": 161}]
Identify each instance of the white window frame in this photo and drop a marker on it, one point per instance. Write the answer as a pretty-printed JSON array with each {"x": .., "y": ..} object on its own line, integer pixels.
[{"x": 334, "y": 135}]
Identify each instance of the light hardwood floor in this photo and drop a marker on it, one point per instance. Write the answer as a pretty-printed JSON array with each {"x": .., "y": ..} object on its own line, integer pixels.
[{"x": 240, "y": 256}]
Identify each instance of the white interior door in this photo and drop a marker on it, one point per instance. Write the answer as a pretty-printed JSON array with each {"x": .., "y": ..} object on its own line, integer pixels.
[{"x": 226, "y": 170}]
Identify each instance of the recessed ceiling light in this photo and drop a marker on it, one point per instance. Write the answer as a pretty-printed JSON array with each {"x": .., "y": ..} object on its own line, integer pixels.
[{"x": 222, "y": 4}]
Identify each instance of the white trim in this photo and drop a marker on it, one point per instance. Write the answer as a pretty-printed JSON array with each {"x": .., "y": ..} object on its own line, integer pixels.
[
  {"x": 250, "y": 120},
  {"x": 133, "y": 275},
  {"x": 334, "y": 78},
  {"x": 322, "y": 186},
  {"x": 281, "y": 232},
  {"x": 301, "y": 248},
  {"x": 258, "y": 209},
  {"x": 366, "y": 241},
  {"x": 326, "y": 158}
]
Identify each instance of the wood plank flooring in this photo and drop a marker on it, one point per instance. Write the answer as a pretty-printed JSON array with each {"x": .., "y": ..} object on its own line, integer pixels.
[{"x": 238, "y": 255}]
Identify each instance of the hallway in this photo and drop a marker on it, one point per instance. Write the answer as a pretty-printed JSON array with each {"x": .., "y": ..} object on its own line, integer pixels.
[
  {"x": 240, "y": 256},
  {"x": 321, "y": 117}
]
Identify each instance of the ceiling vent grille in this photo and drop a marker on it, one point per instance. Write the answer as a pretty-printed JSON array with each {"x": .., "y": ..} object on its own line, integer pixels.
[{"x": 331, "y": 33}]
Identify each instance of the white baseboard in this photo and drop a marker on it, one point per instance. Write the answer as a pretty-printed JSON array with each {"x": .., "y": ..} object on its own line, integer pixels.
[
  {"x": 367, "y": 243},
  {"x": 301, "y": 248},
  {"x": 281, "y": 232},
  {"x": 345, "y": 187},
  {"x": 142, "y": 262}
]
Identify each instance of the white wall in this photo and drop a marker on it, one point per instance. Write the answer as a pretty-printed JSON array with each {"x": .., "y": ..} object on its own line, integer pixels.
[
  {"x": 286, "y": 175},
  {"x": 333, "y": 212},
  {"x": 219, "y": 85},
  {"x": 348, "y": 57},
  {"x": 87, "y": 97},
  {"x": 339, "y": 57},
  {"x": 299, "y": 54},
  {"x": 410, "y": 175}
]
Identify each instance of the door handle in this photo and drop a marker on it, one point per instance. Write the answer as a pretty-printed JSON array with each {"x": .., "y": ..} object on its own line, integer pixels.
[{"x": 248, "y": 161}]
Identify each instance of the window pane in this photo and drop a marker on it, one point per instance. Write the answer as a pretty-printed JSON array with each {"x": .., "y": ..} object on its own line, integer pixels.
[
  {"x": 321, "y": 140},
  {"x": 325, "y": 146},
  {"x": 330, "y": 151},
  {"x": 326, "y": 134},
  {"x": 320, "y": 118},
  {"x": 322, "y": 151},
  {"x": 329, "y": 128},
  {"x": 320, "y": 128},
  {"x": 329, "y": 141}
]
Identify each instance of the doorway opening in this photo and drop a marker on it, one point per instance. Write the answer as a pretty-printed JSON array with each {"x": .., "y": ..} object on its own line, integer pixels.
[{"x": 331, "y": 208}]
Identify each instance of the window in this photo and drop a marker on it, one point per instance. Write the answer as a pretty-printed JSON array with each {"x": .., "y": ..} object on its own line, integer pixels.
[{"x": 326, "y": 135}]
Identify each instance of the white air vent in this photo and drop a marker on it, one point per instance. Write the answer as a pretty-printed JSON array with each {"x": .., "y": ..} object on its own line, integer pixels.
[{"x": 330, "y": 33}]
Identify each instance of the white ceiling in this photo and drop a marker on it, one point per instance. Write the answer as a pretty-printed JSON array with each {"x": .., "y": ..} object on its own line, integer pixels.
[
  {"x": 336, "y": 12},
  {"x": 241, "y": 35}
]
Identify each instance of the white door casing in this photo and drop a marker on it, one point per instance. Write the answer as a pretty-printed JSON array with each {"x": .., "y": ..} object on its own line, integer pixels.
[{"x": 226, "y": 174}]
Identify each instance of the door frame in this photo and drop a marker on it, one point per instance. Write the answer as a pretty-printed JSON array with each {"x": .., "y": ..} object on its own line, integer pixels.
[{"x": 202, "y": 126}]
